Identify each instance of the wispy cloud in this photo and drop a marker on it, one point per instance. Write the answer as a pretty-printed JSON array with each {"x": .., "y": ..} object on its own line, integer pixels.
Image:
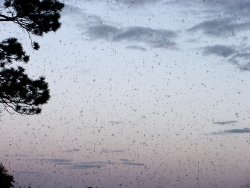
[
  {"x": 136, "y": 47},
  {"x": 75, "y": 150},
  {"x": 103, "y": 31},
  {"x": 231, "y": 7},
  {"x": 58, "y": 161},
  {"x": 132, "y": 163},
  {"x": 241, "y": 60},
  {"x": 155, "y": 38},
  {"x": 138, "y": 2},
  {"x": 236, "y": 55},
  {"x": 224, "y": 122},
  {"x": 111, "y": 151},
  {"x": 72, "y": 10},
  {"x": 130, "y": 2},
  {"x": 77, "y": 165},
  {"x": 28, "y": 173},
  {"x": 221, "y": 27},
  {"x": 219, "y": 50},
  {"x": 233, "y": 131},
  {"x": 70, "y": 164},
  {"x": 116, "y": 122},
  {"x": 87, "y": 165}
]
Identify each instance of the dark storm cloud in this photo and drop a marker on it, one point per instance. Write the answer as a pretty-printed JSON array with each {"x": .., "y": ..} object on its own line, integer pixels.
[
  {"x": 132, "y": 163},
  {"x": 224, "y": 122},
  {"x": 156, "y": 38},
  {"x": 233, "y": 131},
  {"x": 219, "y": 50}
]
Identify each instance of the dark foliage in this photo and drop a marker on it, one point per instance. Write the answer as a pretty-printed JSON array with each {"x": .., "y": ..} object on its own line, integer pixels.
[
  {"x": 21, "y": 93},
  {"x": 17, "y": 90},
  {"x": 6, "y": 180},
  {"x": 35, "y": 16},
  {"x": 10, "y": 51}
]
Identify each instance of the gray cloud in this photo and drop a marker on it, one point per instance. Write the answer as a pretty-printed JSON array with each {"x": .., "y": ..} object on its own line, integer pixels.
[
  {"x": 87, "y": 165},
  {"x": 28, "y": 172},
  {"x": 232, "y": 7},
  {"x": 112, "y": 151},
  {"x": 138, "y": 2},
  {"x": 72, "y": 10},
  {"x": 130, "y": 2},
  {"x": 244, "y": 130},
  {"x": 132, "y": 163},
  {"x": 77, "y": 165},
  {"x": 241, "y": 7},
  {"x": 221, "y": 27},
  {"x": 245, "y": 67},
  {"x": 116, "y": 122},
  {"x": 233, "y": 131},
  {"x": 72, "y": 150},
  {"x": 241, "y": 60},
  {"x": 156, "y": 38},
  {"x": 224, "y": 122},
  {"x": 135, "y": 47},
  {"x": 236, "y": 55},
  {"x": 228, "y": 16},
  {"x": 219, "y": 50},
  {"x": 103, "y": 32},
  {"x": 58, "y": 161}
]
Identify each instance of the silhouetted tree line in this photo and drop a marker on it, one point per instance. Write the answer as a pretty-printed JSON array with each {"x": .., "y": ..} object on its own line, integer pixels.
[
  {"x": 19, "y": 92},
  {"x": 6, "y": 180}
]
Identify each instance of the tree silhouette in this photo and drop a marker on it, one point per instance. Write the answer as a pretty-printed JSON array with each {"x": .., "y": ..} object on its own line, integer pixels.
[
  {"x": 17, "y": 90},
  {"x": 6, "y": 180}
]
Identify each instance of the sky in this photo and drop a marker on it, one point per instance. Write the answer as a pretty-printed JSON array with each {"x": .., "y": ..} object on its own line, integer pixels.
[{"x": 144, "y": 93}]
